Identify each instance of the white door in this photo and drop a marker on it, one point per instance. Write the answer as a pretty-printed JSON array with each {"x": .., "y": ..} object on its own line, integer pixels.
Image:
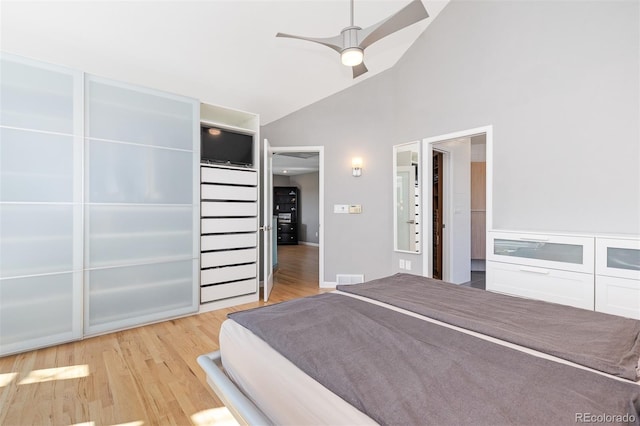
[
  {"x": 458, "y": 210},
  {"x": 267, "y": 215}
]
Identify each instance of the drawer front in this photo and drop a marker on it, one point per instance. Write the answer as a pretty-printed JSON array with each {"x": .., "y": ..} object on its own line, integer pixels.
[
  {"x": 223, "y": 242},
  {"x": 228, "y": 257},
  {"x": 618, "y": 296},
  {"x": 225, "y": 192},
  {"x": 283, "y": 228},
  {"x": 546, "y": 251},
  {"x": 218, "y": 209},
  {"x": 224, "y": 291},
  {"x": 618, "y": 258},
  {"x": 567, "y": 288},
  {"x": 235, "y": 177},
  {"x": 287, "y": 238},
  {"x": 228, "y": 273},
  {"x": 218, "y": 226}
]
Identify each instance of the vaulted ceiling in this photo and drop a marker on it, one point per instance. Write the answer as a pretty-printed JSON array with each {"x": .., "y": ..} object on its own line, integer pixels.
[{"x": 221, "y": 52}]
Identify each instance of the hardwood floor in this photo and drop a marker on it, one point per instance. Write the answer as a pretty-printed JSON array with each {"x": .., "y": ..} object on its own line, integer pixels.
[{"x": 146, "y": 375}]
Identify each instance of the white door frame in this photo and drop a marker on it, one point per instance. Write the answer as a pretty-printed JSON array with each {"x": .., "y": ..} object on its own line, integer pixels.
[
  {"x": 266, "y": 228},
  {"x": 427, "y": 145},
  {"x": 320, "y": 151}
]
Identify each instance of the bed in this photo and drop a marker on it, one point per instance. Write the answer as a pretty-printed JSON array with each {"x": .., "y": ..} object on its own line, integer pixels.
[{"x": 410, "y": 350}]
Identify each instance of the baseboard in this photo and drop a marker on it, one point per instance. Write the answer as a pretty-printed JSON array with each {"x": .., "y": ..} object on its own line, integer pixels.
[
  {"x": 328, "y": 284},
  {"x": 306, "y": 243},
  {"x": 226, "y": 303}
]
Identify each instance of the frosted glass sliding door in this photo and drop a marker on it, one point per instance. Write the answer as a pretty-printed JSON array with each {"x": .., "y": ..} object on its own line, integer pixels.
[
  {"x": 142, "y": 158},
  {"x": 40, "y": 204}
]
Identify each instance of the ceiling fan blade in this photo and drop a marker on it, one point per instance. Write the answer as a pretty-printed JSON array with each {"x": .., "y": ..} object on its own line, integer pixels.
[
  {"x": 410, "y": 14},
  {"x": 358, "y": 70},
  {"x": 334, "y": 43}
]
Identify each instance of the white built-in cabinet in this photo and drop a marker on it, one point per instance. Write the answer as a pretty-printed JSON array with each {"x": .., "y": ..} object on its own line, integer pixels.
[
  {"x": 554, "y": 268},
  {"x": 618, "y": 276},
  {"x": 594, "y": 272},
  {"x": 229, "y": 241},
  {"x": 41, "y": 122},
  {"x": 99, "y": 205},
  {"x": 141, "y": 210},
  {"x": 229, "y": 215}
]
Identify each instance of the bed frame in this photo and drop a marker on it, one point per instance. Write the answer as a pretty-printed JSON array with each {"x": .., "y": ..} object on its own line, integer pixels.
[{"x": 241, "y": 407}]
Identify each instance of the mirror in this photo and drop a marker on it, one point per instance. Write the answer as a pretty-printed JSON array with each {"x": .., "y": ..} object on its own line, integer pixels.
[{"x": 407, "y": 197}]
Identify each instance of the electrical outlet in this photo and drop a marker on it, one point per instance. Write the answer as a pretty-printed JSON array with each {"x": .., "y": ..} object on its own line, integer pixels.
[
  {"x": 401, "y": 264},
  {"x": 407, "y": 265}
]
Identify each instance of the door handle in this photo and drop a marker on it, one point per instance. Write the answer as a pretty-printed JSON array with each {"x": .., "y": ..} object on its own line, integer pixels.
[{"x": 535, "y": 270}]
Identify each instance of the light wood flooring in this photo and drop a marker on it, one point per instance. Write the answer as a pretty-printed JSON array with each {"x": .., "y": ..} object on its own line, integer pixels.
[{"x": 146, "y": 375}]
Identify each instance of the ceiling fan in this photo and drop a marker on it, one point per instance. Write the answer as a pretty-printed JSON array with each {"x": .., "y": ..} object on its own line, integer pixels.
[{"x": 352, "y": 41}]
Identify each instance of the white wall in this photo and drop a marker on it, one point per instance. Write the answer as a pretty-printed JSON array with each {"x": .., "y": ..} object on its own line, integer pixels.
[{"x": 557, "y": 80}]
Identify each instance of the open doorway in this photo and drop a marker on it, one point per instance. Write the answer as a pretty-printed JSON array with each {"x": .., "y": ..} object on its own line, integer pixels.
[
  {"x": 458, "y": 177},
  {"x": 297, "y": 175},
  {"x": 437, "y": 205}
]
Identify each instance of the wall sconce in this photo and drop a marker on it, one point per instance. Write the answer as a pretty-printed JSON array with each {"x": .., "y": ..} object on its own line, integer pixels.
[{"x": 356, "y": 166}]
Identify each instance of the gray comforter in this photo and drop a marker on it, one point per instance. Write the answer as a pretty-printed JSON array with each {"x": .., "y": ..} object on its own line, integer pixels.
[
  {"x": 600, "y": 341},
  {"x": 398, "y": 369}
]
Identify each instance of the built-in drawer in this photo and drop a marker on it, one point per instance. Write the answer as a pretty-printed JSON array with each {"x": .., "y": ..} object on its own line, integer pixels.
[
  {"x": 224, "y": 291},
  {"x": 228, "y": 209},
  {"x": 618, "y": 296},
  {"x": 226, "y": 192},
  {"x": 227, "y": 257},
  {"x": 551, "y": 285},
  {"x": 230, "y": 241},
  {"x": 227, "y": 273},
  {"x": 618, "y": 257},
  {"x": 222, "y": 175},
  {"x": 222, "y": 225},
  {"x": 566, "y": 253}
]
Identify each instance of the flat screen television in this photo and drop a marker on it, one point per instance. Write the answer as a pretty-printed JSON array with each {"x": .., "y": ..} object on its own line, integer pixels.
[{"x": 220, "y": 146}]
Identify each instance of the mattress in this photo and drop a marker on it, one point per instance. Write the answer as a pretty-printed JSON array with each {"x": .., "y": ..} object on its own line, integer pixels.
[
  {"x": 283, "y": 392},
  {"x": 287, "y": 395}
]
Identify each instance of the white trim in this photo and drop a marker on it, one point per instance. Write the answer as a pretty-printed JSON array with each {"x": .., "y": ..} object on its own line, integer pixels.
[
  {"x": 395, "y": 197},
  {"x": 320, "y": 150},
  {"x": 328, "y": 284},
  {"x": 427, "y": 148},
  {"x": 243, "y": 130}
]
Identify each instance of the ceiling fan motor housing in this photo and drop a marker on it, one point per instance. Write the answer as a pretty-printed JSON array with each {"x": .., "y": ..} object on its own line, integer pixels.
[{"x": 350, "y": 37}]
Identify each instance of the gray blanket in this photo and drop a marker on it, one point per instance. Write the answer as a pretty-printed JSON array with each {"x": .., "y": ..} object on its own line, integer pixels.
[
  {"x": 600, "y": 341},
  {"x": 401, "y": 370}
]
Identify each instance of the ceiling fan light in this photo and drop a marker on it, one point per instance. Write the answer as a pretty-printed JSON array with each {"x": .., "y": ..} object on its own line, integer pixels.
[{"x": 352, "y": 56}]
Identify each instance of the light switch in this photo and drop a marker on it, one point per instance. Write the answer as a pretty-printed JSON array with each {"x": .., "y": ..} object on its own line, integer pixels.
[
  {"x": 355, "y": 209},
  {"x": 341, "y": 208}
]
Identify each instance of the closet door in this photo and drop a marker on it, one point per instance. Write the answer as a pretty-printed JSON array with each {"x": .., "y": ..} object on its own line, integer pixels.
[
  {"x": 40, "y": 204},
  {"x": 142, "y": 205}
]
